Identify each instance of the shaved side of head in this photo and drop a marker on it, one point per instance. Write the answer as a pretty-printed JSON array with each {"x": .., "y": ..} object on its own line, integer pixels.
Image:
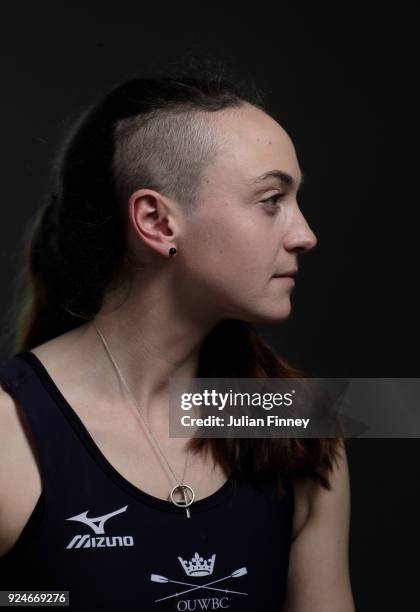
[{"x": 166, "y": 150}]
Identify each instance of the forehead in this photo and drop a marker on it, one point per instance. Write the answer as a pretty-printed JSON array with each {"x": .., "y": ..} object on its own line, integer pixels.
[{"x": 254, "y": 145}]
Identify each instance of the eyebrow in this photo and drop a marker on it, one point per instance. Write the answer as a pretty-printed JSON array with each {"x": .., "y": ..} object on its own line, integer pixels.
[{"x": 282, "y": 176}]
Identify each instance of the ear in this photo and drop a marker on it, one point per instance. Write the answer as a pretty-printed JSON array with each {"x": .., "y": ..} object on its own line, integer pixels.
[{"x": 151, "y": 216}]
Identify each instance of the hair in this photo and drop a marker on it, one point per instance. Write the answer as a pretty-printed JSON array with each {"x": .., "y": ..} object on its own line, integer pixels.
[{"x": 157, "y": 133}]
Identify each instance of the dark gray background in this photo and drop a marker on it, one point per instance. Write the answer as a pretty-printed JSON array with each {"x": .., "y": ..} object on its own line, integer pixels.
[{"x": 341, "y": 80}]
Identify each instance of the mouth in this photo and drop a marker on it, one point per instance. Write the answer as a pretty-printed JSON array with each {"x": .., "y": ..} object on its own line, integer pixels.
[
  {"x": 285, "y": 277},
  {"x": 290, "y": 274}
]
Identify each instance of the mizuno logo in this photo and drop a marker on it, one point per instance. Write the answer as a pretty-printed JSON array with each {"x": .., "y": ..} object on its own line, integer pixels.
[
  {"x": 97, "y": 524},
  {"x": 91, "y": 522}
]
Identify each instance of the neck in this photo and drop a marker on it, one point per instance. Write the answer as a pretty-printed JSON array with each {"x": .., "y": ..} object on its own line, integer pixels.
[{"x": 152, "y": 337}]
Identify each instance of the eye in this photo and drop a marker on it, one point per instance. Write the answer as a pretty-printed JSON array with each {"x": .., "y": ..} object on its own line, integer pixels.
[{"x": 272, "y": 200}]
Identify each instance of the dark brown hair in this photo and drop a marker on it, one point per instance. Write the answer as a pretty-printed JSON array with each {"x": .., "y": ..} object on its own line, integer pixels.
[{"x": 75, "y": 247}]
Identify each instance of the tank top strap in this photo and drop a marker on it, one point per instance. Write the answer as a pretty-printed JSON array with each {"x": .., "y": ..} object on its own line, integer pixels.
[{"x": 64, "y": 462}]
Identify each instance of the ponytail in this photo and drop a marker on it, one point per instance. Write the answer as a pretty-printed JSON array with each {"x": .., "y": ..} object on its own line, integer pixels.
[{"x": 41, "y": 316}]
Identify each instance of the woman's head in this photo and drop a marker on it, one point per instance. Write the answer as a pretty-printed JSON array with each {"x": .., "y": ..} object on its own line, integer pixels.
[
  {"x": 243, "y": 229},
  {"x": 163, "y": 162},
  {"x": 190, "y": 176}
]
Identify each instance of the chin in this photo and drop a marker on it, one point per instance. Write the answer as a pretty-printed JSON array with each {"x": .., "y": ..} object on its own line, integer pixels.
[{"x": 275, "y": 315}]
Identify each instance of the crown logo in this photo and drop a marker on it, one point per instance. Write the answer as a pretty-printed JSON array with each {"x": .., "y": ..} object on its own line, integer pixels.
[{"x": 198, "y": 566}]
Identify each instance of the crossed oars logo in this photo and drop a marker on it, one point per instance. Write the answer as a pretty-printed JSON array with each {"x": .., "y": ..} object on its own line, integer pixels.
[{"x": 239, "y": 572}]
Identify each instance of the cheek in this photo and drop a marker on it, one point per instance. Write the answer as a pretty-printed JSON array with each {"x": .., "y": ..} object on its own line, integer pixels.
[{"x": 231, "y": 254}]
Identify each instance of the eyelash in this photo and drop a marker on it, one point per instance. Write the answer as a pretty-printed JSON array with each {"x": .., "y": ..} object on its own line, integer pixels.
[{"x": 276, "y": 197}]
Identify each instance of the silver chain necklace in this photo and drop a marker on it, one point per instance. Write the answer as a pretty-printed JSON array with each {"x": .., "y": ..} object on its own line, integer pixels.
[{"x": 186, "y": 492}]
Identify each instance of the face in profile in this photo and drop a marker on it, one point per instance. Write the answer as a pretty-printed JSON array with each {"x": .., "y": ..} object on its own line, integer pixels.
[{"x": 248, "y": 226}]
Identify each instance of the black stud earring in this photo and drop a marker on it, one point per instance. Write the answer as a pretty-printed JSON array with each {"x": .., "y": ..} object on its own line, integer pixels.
[{"x": 172, "y": 251}]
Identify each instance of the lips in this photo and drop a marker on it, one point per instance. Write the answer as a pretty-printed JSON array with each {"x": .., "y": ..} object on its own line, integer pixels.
[
  {"x": 283, "y": 277},
  {"x": 290, "y": 273}
]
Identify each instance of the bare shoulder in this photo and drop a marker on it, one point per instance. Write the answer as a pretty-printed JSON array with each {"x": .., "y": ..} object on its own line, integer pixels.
[
  {"x": 63, "y": 356},
  {"x": 9, "y": 426},
  {"x": 20, "y": 482},
  {"x": 319, "y": 501},
  {"x": 318, "y": 569},
  {"x": 16, "y": 445}
]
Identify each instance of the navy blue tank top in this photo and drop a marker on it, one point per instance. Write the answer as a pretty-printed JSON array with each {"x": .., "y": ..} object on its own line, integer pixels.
[{"x": 116, "y": 547}]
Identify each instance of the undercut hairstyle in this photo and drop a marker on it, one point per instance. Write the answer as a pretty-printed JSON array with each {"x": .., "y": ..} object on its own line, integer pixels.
[{"x": 166, "y": 150}]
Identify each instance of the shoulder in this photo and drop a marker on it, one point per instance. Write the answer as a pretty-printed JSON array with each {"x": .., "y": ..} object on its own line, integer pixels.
[
  {"x": 10, "y": 431},
  {"x": 13, "y": 429},
  {"x": 9, "y": 420},
  {"x": 314, "y": 502},
  {"x": 322, "y": 501},
  {"x": 319, "y": 551},
  {"x": 20, "y": 481}
]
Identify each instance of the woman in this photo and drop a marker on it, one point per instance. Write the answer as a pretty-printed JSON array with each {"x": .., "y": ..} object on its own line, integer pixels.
[{"x": 171, "y": 222}]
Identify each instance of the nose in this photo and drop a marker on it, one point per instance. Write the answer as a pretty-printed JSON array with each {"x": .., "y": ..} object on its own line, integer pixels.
[{"x": 300, "y": 238}]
